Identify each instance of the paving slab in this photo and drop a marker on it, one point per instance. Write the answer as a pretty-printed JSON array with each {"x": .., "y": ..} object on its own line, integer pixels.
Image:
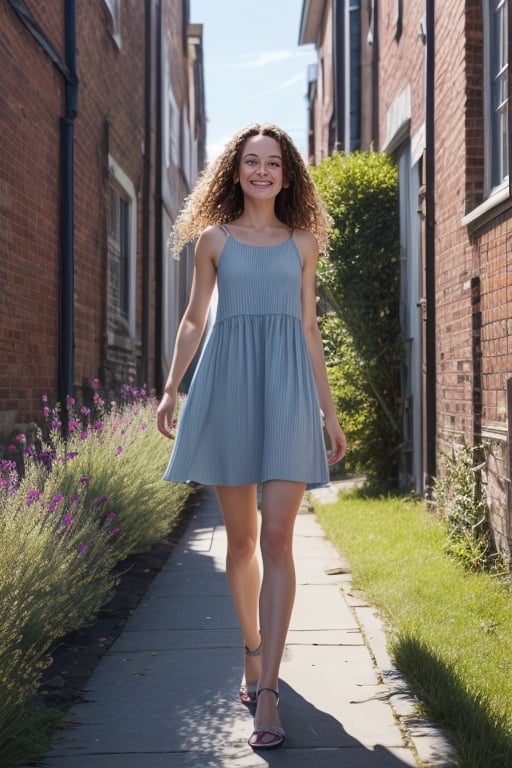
[{"x": 165, "y": 694}]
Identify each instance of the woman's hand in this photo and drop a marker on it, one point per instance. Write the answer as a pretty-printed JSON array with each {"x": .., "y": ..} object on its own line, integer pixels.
[
  {"x": 164, "y": 414},
  {"x": 337, "y": 440}
]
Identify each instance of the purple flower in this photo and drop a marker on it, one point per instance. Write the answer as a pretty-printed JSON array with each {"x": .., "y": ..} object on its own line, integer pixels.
[
  {"x": 11, "y": 448},
  {"x": 84, "y": 479},
  {"x": 100, "y": 500},
  {"x": 83, "y": 436},
  {"x": 83, "y": 548},
  {"x": 21, "y": 438},
  {"x": 115, "y": 531},
  {"x": 46, "y": 413},
  {"x": 111, "y": 516},
  {"x": 118, "y": 450},
  {"x": 52, "y": 506},
  {"x": 44, "y": 398},
  {"x": 73, "y": 497},
  {"x": 33, "y": 495},
  {"x": 96, "y": 384},
  {"x": 98, "y": 425},
  {"x": 67, "y": 520}
]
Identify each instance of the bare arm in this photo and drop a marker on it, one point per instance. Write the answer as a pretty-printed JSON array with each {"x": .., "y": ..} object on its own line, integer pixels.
[
  {"x": 309, "y": 251},
  {"x": 192, "y": 325}
]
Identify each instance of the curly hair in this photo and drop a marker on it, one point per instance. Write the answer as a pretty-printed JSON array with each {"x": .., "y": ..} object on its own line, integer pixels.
[{"x": 216, "y": 198}]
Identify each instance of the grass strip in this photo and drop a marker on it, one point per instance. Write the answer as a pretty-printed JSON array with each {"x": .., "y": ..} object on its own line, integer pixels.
[{"x": 449, "y": 631}]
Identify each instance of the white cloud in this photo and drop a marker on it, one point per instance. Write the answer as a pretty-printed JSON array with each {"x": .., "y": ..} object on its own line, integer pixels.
[
  {"x": 262, "y": 58},
  {"x": 281, "y": 87}
]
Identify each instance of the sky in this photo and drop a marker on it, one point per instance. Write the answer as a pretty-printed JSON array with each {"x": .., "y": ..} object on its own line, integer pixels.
[{"x": 255, "y": 70}]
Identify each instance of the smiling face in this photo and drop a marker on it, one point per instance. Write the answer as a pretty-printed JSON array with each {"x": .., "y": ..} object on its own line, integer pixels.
[{"x": 260, "y": 170}]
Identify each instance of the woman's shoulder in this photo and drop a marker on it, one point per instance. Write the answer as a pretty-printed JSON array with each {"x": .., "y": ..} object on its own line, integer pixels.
[
  {"x": 306, "y": 237},
  {"x": 211, "y": 241},
  {"x": 307, "y": 244}
]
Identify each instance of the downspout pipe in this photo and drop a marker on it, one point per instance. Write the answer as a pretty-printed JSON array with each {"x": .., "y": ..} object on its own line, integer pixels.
[
  {"x": 146, "y": 191},
  {"x": 430, "y": 272},
  {"x": 159, "y": 383},
  {"x": 67, "y": 267}
]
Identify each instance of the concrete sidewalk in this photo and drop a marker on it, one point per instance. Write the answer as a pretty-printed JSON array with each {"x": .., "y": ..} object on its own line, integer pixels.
[{"x": 166, "y": 693}]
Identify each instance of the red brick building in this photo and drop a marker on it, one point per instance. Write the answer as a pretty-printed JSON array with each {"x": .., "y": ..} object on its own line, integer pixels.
[
  {"x": 103, "y": 131},
  {"x": 429, "y": 83}
]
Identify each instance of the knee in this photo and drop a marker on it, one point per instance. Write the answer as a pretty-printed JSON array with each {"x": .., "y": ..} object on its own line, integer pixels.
[
  {"x": 276, "y": 542},
  {"x": 242, "y": 550}
]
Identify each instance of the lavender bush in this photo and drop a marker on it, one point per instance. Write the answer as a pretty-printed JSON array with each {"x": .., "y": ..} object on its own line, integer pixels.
[{"x": 70, "y": 509}]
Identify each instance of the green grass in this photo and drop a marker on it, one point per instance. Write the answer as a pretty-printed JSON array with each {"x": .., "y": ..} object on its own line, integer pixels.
[{"x": 450, "y": 631}]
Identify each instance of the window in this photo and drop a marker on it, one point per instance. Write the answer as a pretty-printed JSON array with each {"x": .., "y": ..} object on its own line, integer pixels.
[
  {"x": 114, "y": 7},
  {"x": 496, "y": 94},
  {"x": 122, "y": 239},
  {"x": 119, "y": 242},
  {"x": 171, "y": 113}
]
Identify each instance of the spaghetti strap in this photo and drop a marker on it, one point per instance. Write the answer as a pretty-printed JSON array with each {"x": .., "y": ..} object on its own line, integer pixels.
[{"x": 225, "y": 230}]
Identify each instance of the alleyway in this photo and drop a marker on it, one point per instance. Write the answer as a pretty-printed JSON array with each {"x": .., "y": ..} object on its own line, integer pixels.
[{"x": 166, "y": 692}]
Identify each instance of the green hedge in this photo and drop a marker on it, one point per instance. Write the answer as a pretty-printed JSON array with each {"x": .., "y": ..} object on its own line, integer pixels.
[{"x": 360, "y": 278}]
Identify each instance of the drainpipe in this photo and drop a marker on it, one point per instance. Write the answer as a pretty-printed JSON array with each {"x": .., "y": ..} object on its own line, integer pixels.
[
  {"x": 375, "y": 75},
  {"x": 66, "y": 314},
  {"x": 430, "y": 283},
  {"x": 338, "y": 44},
  {"x": 146, "y": 191},
  {"x": 158, "y": 207}
]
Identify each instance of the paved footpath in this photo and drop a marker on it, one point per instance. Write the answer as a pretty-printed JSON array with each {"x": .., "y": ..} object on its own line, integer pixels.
[{"x": 166, "y": 693}]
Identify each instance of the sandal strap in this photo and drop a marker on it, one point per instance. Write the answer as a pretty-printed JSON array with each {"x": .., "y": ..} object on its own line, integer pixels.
[
  {"x": 275, "y": 730},
  {"x": 256, "y": 652},
  {"x": 272, "y": 690}
]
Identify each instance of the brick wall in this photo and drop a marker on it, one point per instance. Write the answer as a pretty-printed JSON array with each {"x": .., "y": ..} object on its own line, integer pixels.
[
  {"x": 31, "y": 102},
  {"x": 109, "y": 124},
  {"x": 473, "y": 283}
]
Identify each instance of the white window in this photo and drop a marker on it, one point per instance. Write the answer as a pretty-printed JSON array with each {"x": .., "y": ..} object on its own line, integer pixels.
[
  {"x": 119, "y": 246},
  {"x": 114, "y": 7},
  {"x": 171, "y": 113},
  {"x": 496, "y": 94},
  {"x": 122, "y": 251}
]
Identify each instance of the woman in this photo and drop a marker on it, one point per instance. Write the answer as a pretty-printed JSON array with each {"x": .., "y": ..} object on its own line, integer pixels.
[{"x": 253, "y": 412}]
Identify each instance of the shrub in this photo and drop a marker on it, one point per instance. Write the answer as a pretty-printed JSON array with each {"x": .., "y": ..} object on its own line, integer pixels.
[
  {"x": 360, "y": 278},
  {"x": 74, "y": 508},
  {"x": 457, "y": 495},
  {"x": 357, "y": 410}
]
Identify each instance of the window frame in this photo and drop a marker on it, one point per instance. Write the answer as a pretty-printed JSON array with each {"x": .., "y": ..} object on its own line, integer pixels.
[
  {"x": 114, "y": 8},
  {"x": 496, "y": 197},
  {"x": 121, "y": 184},
  {"x": 494, "y": 148}
]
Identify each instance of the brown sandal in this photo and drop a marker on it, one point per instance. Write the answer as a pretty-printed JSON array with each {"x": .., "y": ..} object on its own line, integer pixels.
[
  {"x": 272, "y": 730},
  {"x": 249, "y": 691}
]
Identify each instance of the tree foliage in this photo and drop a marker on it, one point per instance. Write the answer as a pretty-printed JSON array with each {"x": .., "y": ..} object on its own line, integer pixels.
[{"x": 360, "y": 277}]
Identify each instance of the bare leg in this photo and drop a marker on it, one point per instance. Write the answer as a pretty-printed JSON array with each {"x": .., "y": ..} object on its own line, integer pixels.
[
  {"x": 240, "y": 513},
  {"x": 280, "y": 504}
]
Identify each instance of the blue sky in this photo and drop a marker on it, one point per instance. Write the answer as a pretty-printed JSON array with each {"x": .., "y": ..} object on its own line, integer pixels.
[{"x": 255, "y": 71}]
